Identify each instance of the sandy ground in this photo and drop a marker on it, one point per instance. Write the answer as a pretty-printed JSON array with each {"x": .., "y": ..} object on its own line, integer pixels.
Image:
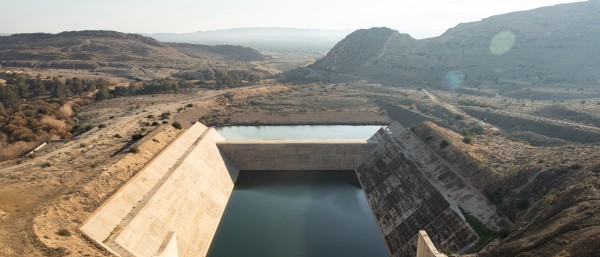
[
  {"x": 61, "y": 184},
  {"x": 309, "y": 117}
]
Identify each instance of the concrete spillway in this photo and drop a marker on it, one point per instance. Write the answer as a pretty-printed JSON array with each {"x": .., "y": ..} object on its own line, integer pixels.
[{"x": 173, "y": 206}]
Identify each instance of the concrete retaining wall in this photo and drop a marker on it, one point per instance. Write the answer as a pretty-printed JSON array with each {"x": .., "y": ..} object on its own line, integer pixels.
[
  {"x": 338, "y": 154},
  {"x": 425, "y": 247},
  {"x": 182, "y": 193}
]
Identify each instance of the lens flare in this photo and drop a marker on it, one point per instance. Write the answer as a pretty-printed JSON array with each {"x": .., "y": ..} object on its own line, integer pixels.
[
  {"x": 453, "y": 80},
  {"x": 502, "y": 42}
]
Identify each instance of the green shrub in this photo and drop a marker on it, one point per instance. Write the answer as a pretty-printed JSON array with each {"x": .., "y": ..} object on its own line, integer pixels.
[
  {"x": 165, "y": 115},
  {"x": 445, "y": 143},
  {"x": 521, "y": 204},
  {"x": 467, "y": 140},
  {"x": 155, "y": 123},
  {"x": 477, "y": 129},
  {"x": 189, "y": 105},
  {"x": 177, "y": 125},
  {"x": 136, "y": 136},
  {"x": 118, "y": 136},
  {"x": 100, "y": 126},
  {"x": 63, "y": 232}
]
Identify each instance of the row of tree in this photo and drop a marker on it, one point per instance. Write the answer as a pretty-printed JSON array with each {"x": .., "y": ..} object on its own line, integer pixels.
[
  {"x": 155, "y": 86},
  {"x": 222, "y": 77},
  {"x": 22, "y": 87}
]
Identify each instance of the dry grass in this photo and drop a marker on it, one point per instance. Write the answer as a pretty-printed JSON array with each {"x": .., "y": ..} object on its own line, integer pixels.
[
  {"x": 17, "y": 149},
  {"x": 66, "y": 110},
  {"x": 56, "y": 124}
]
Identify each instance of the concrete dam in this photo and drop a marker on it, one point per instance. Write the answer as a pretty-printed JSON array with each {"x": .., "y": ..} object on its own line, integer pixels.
[{"x": 174, "y": 205}]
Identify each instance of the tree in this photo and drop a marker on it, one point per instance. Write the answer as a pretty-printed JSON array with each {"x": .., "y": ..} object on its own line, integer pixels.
[
  {"x": 37, "y": 87},
  {"x": 102, "y": 93},
  {"x": 9, "y": 97},
  {"x": 59, "y": 89},
  {"x": 76, "y": 86},
  {"x": 23, "y": 90}
]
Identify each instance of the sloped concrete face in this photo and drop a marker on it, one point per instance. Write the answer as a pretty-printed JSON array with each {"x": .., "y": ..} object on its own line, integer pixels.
[
  {"x": 403, "y": 201},
  {"x": 182, "y": 194}
]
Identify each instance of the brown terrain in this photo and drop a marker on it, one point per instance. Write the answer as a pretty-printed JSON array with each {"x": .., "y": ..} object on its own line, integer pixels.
[
  {"x": 532, "y": 149},
  {"x": 58, "y": 187}
]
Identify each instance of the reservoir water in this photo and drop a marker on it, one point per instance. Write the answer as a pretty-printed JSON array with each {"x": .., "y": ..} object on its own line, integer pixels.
[
  {"x": 299, "y": 132},
  {"x": 297, "y": 214}
]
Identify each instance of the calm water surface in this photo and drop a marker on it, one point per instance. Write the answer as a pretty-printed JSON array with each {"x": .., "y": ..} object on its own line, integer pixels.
[
  {"x": 299, "y": 132},
  {"x": 297, "y": 214}
]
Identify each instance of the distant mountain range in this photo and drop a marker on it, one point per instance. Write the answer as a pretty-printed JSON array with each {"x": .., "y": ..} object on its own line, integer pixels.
[
  {"x": 129, "y": 55},
  {"x": 261, "y": 38},
  {"x": 558, "y": 45}
]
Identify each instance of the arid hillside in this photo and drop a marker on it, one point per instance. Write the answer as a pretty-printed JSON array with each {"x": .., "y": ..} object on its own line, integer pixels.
[
  {"x": 119, "y": 54},
  {"x": 555, "y": 45}
]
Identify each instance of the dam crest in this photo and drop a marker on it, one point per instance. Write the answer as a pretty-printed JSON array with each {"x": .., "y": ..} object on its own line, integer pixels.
[{"x": 173, "y": 206}]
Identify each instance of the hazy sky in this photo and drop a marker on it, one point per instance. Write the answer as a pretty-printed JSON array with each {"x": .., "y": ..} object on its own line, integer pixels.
[{"x": 420, "y": 18}]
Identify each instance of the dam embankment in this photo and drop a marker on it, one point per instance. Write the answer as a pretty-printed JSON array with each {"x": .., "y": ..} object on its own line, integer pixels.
[{"x": 174, "y": 205}]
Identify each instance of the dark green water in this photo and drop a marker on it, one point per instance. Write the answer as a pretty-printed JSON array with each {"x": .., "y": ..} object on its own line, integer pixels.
[{"x": 297, "y": 213}]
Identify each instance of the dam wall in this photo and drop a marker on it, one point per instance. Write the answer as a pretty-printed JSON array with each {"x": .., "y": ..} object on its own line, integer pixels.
[
  {"x": 446, "y": 179},
  {"x": 324, "y": 154},
  {"x": 404, "y": 201},
  {"x": 173, "y": 206}
]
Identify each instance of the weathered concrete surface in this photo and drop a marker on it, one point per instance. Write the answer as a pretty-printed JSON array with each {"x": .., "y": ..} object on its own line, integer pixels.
[
  {"x": 169, "y": 247},
  {"x": 334, "y": 154},
  {"x": 185, "y": 196},
  {"x": 448, "y": 181},
  {"x": 404, "y": 201},
  {"x": 102, "y": 223},
  {"x": 426, "y": 248}
]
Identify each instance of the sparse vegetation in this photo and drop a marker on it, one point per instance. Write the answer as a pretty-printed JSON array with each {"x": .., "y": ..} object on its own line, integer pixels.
[
  {"x": 63, "y": 232},
  {"x": 177, "y": 125},
  {"x": 444, "y": 143},
  {"x": 485, "y": 234},
  {"x": 136, "y": 136},
  {"x": 467, "y": 140},
  {"x": 521, "y": 203}
]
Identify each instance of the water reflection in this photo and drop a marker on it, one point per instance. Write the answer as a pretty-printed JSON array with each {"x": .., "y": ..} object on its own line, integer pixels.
[
  {"x": 304, "y": 213},
  {"x": 299, "y": 132}
]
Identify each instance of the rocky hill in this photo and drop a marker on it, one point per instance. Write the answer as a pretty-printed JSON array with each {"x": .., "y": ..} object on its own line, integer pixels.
[
  {"x": 555, "y": 45},
  {"x": 240, "y": 53},
  {"x": 129, "y": 55}
]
